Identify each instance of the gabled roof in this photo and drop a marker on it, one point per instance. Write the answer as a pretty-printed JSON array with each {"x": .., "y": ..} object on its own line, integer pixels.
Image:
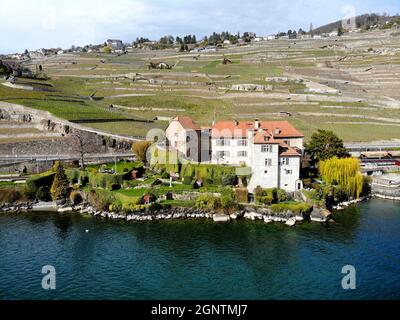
[
  {"x": 279, "y": 129},
  {"x": 286, "y": 151},
  {"x": 264, "y": 137},
  {"x": 187, "y": 123}
]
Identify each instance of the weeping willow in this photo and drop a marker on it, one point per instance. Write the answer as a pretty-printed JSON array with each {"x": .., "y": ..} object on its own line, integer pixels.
[{"x": 343, "y": 172}]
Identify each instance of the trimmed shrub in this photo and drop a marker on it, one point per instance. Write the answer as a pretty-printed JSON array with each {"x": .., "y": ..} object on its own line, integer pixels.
[{"x": 187, "y": 180}]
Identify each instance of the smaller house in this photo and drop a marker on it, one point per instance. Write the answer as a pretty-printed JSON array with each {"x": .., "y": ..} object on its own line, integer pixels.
[{"x": 188, "y": 139}]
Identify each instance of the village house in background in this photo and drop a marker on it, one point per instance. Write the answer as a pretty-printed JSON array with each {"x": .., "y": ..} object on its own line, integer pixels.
[
  {"x": 115, "y": 44},
  {"x": 271, "y": 149}
]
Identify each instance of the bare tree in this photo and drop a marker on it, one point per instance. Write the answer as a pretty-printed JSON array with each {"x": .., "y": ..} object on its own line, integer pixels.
[{"x": 81, "y": 146}]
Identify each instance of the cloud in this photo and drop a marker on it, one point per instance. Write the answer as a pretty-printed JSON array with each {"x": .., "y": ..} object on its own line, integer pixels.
[{"x": 51, "y": 23}]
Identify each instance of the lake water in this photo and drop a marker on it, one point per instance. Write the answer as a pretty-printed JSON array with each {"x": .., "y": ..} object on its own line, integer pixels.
[{"x": 202, "y": 260}]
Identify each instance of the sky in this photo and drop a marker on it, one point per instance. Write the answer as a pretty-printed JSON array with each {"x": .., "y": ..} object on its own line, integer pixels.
[{"x": 33, "y": 24}]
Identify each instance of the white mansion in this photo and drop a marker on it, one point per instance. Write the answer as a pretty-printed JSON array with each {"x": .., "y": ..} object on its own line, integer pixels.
[{"x": 271, "y": 149}]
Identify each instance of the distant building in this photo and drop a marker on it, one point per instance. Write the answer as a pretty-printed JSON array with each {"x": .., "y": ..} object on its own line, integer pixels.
[
  {"x": 270, "y": 37},
  {"x": 115, "y": 44}
]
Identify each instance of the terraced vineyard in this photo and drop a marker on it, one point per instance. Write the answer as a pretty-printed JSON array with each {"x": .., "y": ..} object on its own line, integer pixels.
[{"x": 348, "y": 84}]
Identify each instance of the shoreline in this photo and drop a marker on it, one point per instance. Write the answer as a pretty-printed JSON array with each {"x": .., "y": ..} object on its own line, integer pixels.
[{"x": 264, "y": 214}]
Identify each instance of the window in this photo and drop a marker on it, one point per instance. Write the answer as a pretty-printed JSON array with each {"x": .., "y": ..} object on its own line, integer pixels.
[
  {"x": 285, "y": 161},
  {"x": 289, "y": 171},
  {"x": 287, "y": 142},
  {"x": 266, "y": 148},
  {"x": 242, "y": 142},
  {"x": 187, "y": 138},
  {"x": 188, "y": 153},
  {"x": 222, "y": 142},
  {"x": 266, "y": 172},
  {"x": 222, "y": 154},
  {"x": 268, "y": 162},
  {"x": 242, "y": 154}
]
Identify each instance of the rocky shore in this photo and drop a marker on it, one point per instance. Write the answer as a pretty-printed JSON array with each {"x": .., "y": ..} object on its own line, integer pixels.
[
  {"x": 262, "y": 214},
  {"x": 343, "y": 205}
]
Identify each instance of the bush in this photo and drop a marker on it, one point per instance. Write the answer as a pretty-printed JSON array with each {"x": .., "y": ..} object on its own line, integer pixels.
[
  {"x": 208, "y": 202},
  {"x": 296, "y": 208},
  {"x": 269, "y": 196},
  {"x": 11, "y": 195},
  {"x": 187, "y": 180},
  {"x": 43, "y": 194},
  {"x": 106, "y": 180},
  {"x": 101, "y": 199},
  {"x": 155, "y": 207},
  {"x": 228, "y": 200},
  {"x": 76, "y": 197},
  {"x": 265, "y": 200},
  {"x": 229, "y": 179},
  {"x": 165, "y": 175},
  {"x": 281, "y": 195},
  {"x": 35, "y": 182}
]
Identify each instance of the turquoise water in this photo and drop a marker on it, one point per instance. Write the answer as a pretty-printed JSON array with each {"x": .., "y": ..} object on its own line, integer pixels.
[{"x": 202, "y": 260}]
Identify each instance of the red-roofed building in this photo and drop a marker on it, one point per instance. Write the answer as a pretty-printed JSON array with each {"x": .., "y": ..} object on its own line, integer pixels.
[
  {"x": 272, "y": 149},
  {"x": 188, "y": 139}
]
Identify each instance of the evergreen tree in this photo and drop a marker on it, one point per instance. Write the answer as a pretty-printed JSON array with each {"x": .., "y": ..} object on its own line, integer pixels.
[
  {"x": 325, "y": 145},
  {"x": 60, "y": 188}
]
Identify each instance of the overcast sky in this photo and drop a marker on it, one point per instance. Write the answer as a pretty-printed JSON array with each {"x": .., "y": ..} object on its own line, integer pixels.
[{"x": 33, "y": 24}]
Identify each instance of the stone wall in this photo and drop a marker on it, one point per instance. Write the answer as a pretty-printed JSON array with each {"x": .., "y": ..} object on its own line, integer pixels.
[{"x": 389, "y": 191}]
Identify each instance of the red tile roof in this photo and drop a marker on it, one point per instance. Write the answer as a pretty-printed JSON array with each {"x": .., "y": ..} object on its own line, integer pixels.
[
  {"x": 187, "y": 123},
  {"x": 263, "y": 136},
  {"x": 279, "y": 129},
  {"x": 286, "y": 151}
]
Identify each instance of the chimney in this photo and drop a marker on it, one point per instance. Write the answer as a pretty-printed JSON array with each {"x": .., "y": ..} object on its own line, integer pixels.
[
  {"x": 257, "y": 124},
  {"x": 236, "y": 123}
]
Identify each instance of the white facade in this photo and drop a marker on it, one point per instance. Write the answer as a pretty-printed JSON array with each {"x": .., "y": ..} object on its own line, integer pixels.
[
  {"x": 272, "y": 150},
  {"x": 274, "y": 161}
]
